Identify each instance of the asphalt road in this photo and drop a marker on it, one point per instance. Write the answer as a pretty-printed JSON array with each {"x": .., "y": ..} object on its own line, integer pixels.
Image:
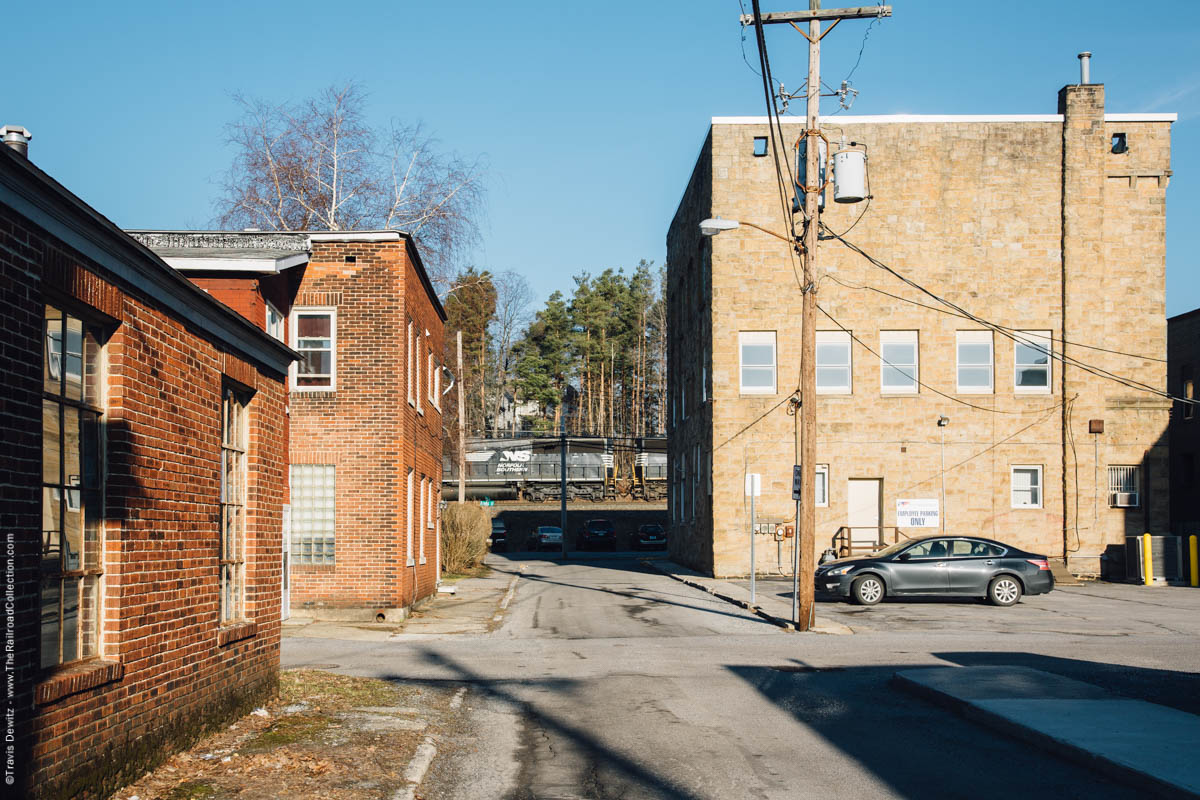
[{"x": 606, "y": 680}]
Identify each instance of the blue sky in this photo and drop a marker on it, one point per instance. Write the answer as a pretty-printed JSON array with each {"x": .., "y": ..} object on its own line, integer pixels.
[{"x": 590, "y": 118}]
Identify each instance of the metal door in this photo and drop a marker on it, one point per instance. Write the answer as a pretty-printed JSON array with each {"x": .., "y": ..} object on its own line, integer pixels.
[{"x": 864, "y": 497}]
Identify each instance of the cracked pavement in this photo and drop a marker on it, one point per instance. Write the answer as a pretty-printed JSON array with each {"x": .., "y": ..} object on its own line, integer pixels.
[{"x": 605, "y": 679}]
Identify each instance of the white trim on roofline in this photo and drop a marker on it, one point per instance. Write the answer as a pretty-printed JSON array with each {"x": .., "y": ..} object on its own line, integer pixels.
[
  {"x": 355, "y": 236},
  {"x": 270, "y": 265},
  {"x": 895, "y": 118}
]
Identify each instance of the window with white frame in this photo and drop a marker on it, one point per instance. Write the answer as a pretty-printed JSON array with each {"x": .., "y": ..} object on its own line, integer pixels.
[
  {"x": 275, "y": 321},
  {"x": 898, "y": 364},
  {"x": 437, "y": 385},
  {"x": 314, "y": 512},
  {"x": 974, "y": 362},
  {"x": 1031, "y": 362},
  {"x": 72, "y": 563},
  {"x": 1124, "y": 487},
  {"x": 408, "y": 364},
  {"x": 833, "y": 362},
  {"x": 426, "y": 521},
  {"x": 757, "y": 362},
  {"x": 314, "y": 331},
  {"x": 429, "y": 378},
  {"x": 232, "y": 563},
  {"x": 409, "y": 518},
  {"x": 1026, "y": 486},
  {"x": 418, "y": 346},
  {"x": 821, "y": 490}
]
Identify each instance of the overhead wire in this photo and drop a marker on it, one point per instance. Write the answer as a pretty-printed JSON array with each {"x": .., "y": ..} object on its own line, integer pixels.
[{"x": 1009, "y": 333}]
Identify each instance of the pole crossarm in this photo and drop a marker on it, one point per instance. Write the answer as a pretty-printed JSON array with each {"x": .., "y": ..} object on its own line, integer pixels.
[{"x": 783, "y": 17}]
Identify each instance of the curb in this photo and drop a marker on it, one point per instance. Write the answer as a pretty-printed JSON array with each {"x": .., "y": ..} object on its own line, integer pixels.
[
  {"x": 1065, "y": 750},
  {"x": 780, "y": 622}
]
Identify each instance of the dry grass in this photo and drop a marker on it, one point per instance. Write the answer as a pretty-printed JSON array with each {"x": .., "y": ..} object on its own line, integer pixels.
[{"x": 465, "y": 532}]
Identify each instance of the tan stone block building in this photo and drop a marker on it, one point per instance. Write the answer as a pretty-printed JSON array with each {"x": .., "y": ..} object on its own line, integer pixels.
[{"x": 1051, "y": 227}]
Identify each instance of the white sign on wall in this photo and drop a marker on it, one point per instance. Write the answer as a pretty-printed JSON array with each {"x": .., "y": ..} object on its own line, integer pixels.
[
  {"x": 753, "y": 484},
  {"x": 919, "y": 513}
]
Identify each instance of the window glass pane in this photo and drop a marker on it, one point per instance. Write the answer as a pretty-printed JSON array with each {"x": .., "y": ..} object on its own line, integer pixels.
[
  {"x": 316, "y": 362},
  {"x": 897, "y": 378},
  {"x": 1032, "y": 376},
  {"x": 1031, "y": 354},
  {"x": 72, "y": 531},
  {"x": 51, "y": 595},
  {"x": 72, "y": 475},
  {"x": 70, "y": 619},
  {"x": 53, "y": 357},
  {"x": 974, "y": 353},
  {"x": 51, "y": 529},
  {"x": 92, "y": 366},
  {"x": 92, "y": 513},
  {"x": 74, "y": 358},
  {"x": 833, "y": 353},
  {"x": 980, "y": 377},
  {"x": 899, "y": 353},
  {"x": 758, "y": 355},
  {"x": 90, "y": 450},
  {"x": 303, "y": 380},
  {"x": 758, "y": 378},
  {"x": 314, "y": 326},
  {"x": 833, "y": 377},
  {"x": 51, "y": 443}
]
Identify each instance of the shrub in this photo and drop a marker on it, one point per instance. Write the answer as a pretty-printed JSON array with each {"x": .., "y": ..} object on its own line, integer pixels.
[{"x": 465, "y": 531}]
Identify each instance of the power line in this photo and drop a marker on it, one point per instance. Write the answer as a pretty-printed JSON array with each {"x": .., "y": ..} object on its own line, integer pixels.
[
  {"x": 948, "y": 312},
  {"x": 921, "y": 383},
  {"x": 1007, "y": 333}
]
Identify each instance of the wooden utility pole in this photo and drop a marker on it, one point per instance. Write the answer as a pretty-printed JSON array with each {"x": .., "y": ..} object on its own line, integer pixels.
[
  {"x": 806, "y": 426},
  {"x": 462, "y": 436}
]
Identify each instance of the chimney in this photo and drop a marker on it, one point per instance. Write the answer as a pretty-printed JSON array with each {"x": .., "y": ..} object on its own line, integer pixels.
[
  {"x": 17, "y": 138},
  {"x": 1085, "y": 68}
]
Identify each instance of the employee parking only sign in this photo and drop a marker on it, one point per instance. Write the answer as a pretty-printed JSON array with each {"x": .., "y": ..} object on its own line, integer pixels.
[{"x": 920, "y": 513}]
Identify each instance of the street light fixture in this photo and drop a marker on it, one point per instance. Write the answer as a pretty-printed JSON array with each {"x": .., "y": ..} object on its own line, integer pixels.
[{"x": 711, "y": 227}]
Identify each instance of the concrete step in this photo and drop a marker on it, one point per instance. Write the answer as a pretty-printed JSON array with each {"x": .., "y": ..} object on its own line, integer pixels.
[{"x": 1062, "y": 575}]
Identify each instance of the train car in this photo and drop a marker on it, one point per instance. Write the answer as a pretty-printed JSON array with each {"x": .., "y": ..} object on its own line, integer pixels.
[
  {"x": 530, "y": 469},
  {"x": 650, "y": 469}
]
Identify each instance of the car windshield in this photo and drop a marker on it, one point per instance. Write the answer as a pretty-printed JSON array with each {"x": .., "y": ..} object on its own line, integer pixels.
[
  {"x": 892, "y": 549},
  {"x": 548, "y": 529},
  {"x": 652, "y": 528},
  {"x": 599, "y": 524}
]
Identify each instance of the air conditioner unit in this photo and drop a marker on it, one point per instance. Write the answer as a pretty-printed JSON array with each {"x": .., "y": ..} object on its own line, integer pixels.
[{"x": 1123, "y": 499}]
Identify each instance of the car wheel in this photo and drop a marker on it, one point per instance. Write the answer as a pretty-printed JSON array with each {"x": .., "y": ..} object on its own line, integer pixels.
[
  {"x": 867, "y": 590},
  {"x": 1004, "y": 590}
]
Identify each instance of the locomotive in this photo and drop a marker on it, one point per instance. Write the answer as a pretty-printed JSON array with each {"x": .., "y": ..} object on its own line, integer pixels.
[{"x": 530, "y": 469}]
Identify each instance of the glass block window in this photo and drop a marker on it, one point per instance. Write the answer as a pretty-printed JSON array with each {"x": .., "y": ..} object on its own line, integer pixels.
[
  {"x": 833, "y": 362},
  {"x": 233, "y": 504},
  {"x": 315, "y": 337},
  {"x": 1031, "y": 362},
  {"x": 313, "y": 513},
  {"x": 757, "y": 356},
  {"x": 72, "y": 489},
  {"x": 974, "y": 362}
]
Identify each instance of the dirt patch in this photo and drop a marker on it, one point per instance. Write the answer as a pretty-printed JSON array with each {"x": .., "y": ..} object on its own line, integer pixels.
[{"x": 326, "y": 735}]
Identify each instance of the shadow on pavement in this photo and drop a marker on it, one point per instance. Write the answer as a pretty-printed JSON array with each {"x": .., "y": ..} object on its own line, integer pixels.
[
  {"x": 913, "y": 748},
  {"x": 1179, "y": 690},
  {"x": 639, "y": 778},
  {"x": 651, "y": 595}
]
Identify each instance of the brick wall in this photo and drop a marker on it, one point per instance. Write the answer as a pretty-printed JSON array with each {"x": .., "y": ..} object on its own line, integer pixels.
[
  {"x": 1033, "y": 224},
  {"x": 367, "y": 429},
  {"x": 167, "y": 668}
]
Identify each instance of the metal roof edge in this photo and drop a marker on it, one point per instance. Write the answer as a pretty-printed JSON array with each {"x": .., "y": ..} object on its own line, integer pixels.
[
  {"x": 927, "y": 118},
  {"x": 45, "y": 202}
]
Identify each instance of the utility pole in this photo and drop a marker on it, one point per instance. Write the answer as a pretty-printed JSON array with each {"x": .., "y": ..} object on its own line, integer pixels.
[
  {"x": 806, "y": 517},
  {"x": 462, "y": 436}
]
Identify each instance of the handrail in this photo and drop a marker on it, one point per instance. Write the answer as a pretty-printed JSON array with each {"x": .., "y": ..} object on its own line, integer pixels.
[{"x": 843, "y": 543}]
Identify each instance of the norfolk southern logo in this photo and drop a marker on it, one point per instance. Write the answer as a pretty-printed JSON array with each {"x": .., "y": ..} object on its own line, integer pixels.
[{"x": 513, "y": 461}]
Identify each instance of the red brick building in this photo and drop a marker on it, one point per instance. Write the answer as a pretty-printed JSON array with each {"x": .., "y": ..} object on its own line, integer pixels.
[
  {"x": 364, "y": 403},
  {"x": 143, "y": 488}
]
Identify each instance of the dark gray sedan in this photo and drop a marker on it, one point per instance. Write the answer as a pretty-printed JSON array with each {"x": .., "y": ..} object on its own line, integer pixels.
[{"x": 947, "y": 565}]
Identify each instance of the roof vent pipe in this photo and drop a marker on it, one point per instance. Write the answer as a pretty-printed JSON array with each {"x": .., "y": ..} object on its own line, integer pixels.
[
  {"x": 1085, "y": 68},
  {"x": 17, "y": 138}
]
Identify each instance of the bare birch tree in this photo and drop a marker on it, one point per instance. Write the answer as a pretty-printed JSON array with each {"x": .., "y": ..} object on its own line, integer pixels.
[{"x": 319, "y": 165}]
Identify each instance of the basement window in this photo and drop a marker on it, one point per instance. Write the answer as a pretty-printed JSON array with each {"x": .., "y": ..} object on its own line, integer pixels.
[
  {"x": 351, "y": 259},
  {"x": 1120, "y": 144},
  {"x": 760, "y": 146}
]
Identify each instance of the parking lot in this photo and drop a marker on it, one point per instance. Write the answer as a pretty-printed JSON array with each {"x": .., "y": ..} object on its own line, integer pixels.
[{"x": 1093, "y": 609}]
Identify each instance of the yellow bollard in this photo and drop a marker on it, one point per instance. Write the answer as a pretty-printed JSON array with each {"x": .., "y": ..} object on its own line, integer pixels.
[
  {"x": 1147, "y": 561},
  {"x": 1195, "y": 561}
]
